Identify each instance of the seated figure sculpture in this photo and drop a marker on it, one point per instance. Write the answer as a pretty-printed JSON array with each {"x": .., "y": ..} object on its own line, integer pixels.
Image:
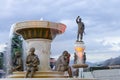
[
  {"x": 17, "y": 62},
  {"x": 32, "y": 63},
  {"x": 62, "y": 63}
]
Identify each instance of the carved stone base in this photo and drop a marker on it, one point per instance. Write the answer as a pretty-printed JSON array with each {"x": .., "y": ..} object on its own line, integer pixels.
[
  {"x": 79, "y": 65},
  {"x": 46, "y": 79},
  {"x": 42, "y": 50},
  {"x": 40, "y": 74}
]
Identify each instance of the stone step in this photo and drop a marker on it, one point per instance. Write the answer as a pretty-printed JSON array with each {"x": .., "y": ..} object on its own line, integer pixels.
[
  {"x": 47, "y": 79},
  {"x": 42, "y": 72},
  {"x": 39, "y": 74}
]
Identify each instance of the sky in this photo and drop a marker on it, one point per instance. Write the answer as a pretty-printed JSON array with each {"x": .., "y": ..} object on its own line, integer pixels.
[{"x": 101, "y": 19}]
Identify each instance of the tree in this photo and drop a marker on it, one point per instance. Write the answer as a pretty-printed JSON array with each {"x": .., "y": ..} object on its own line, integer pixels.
[{"x": 16, "y": 45}]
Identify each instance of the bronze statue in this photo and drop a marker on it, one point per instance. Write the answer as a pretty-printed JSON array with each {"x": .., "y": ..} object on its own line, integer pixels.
[
  {"x": 32, "y": 63},
  {"x": 62, "y": 63},
  {"x": 75, "y": 58},
  {"x": 17, "y": 62},
  {"x": 76, "y": 71},
  {"x": 81, "y": 28},
  {"x": 84, "y": 57}
]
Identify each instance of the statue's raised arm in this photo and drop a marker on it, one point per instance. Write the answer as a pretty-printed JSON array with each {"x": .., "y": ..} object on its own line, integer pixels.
[
  {"x": 77, "y": 19},
  {"x": 81, "y": 28}
]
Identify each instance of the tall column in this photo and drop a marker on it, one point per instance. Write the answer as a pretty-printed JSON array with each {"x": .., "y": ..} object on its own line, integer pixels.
[
  {"x": 79, "y": 49},
  {"x": 79, "y": 52},
  {"x": 42, "y": 50}
]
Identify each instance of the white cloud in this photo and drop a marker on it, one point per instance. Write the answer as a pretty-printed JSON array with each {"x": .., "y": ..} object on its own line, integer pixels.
[
  {"x": 101, "y": 20},
  {"x": 112, "y": 42},
  {"x": 2, "y": 47},
  {"x": 69, "y": 23},
  {"x": 6, "y": 8},
  {"x": 100, "y": 57}
]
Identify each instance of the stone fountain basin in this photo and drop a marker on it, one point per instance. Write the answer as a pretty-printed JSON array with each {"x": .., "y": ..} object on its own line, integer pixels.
[{"x": 39, "y": 29}]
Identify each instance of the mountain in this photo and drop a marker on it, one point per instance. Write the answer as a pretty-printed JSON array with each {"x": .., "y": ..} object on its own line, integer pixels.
[
  {"x": 111, "y": 61},
  {"x": 88, "y": 63}
]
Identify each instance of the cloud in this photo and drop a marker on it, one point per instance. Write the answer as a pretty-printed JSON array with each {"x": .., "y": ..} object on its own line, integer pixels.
[
  {"x": 4, "y": 37},
  {"x": 112, "y": 42},
  {"x": 100, "y": 57},
  {"x": 100, "y": 49},
  {"x": 101, "y": 19},
  {"x": 2, "y": 47},
  {"x": 6, "y": 9},
  {"x": 70, "y": 23}
]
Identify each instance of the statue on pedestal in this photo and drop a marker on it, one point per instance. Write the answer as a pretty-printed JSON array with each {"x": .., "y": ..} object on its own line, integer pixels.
[
  {"x": 81, "y": 28},
  {"x": 32, "y": 63},
  {"x": 62, "y": 63},
  {"x": 17, "y": 62}
]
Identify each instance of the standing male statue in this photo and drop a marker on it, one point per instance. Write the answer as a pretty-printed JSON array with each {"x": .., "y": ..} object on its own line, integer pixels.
[
  {"x": 32, "y": 63},
  {"x": 81, "y": 28}
]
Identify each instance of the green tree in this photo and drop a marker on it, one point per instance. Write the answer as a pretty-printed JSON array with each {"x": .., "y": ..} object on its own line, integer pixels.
[
  {"x": 1, "y": 60},
  {"x": 16, "y": 45}
]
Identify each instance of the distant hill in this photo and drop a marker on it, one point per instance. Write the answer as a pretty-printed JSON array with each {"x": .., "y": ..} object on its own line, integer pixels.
[
  {"x": 90, "y": 64},
  {"x": 108, "y": 62},
  {"x": 111, "y": 61}
]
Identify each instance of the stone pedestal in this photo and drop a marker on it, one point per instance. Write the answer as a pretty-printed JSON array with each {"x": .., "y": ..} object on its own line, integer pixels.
[
  {"x": 40, "y": 74},
  {"x": 79, "y": 58},
  {"x": 47, "y": 79},
  {"x": 42, "y": 50},
  {"x": 79, "y": 51}
]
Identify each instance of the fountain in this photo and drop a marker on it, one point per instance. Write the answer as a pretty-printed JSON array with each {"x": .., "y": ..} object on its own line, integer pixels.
[{"x": 40, "y": 34}]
